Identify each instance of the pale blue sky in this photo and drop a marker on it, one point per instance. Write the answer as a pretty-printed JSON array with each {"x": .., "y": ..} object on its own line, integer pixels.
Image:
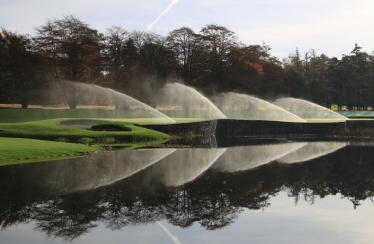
[{"x": 331, "y": 27}]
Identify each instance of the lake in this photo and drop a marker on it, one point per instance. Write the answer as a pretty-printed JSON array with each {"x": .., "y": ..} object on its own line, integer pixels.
[{"x": 256, "y": 191}]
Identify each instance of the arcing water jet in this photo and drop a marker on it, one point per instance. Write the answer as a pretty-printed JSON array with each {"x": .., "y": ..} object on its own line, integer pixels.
[
  {"x": 88, "y": 93},
  {"x": 180, "y": 101},
  {"x": 309, "y": 111},
  {"x": 245, "y": 107}
]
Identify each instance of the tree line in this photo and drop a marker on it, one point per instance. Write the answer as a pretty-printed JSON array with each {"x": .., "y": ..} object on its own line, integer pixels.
[{"x": 139, "y": 63}]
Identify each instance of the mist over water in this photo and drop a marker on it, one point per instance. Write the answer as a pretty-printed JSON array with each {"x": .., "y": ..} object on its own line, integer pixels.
[
  {"x": 245, "y": 107},
  {"x": 183, "y": 166},
  {"x": 308, "y": 110},
  {"x": 311, "y": 151},
  {"x": 248, "y": 157},
  {"x": 180, "y": 101}
]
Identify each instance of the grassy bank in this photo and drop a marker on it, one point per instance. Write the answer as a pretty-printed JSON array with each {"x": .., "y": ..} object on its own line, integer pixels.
[
  {"x": 15, "y": 150},
  {"x": 51, "y": 130},
  {"x": 47, "y": 139}
]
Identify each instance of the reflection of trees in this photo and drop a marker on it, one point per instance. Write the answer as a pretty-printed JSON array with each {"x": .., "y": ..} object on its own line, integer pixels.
[
  {"x": 209, "y": 206},
  {"x": 349, "y": 172},
  {"x": 208, "y": 201},
  {"x": 66, "y": 217},
  {"x": 126, "y": 206},
  {"x": 214, "y": 200}
]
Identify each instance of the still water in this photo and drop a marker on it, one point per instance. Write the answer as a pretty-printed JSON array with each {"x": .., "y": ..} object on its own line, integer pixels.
[{"x": 269, "y": 191}]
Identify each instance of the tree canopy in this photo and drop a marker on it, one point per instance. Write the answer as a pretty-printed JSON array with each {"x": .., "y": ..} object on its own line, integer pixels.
[{"x": 139, "y": 63}]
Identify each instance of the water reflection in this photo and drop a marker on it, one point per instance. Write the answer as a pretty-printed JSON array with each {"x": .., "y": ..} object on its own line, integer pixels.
[
  {"x": 211, "y": 187},
  {"x": 107, "y": 168},
  {"x": 311, "y": 150},
  {"x": 183, "y": 166},
  {"x": 248, "y": 157}
]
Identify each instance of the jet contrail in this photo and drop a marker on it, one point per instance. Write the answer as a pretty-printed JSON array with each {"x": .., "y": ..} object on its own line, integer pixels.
[
  {"x": 163, "y": 12},
  {"x": 134, "y": 18},
  {"x": 173, "y": 238}
]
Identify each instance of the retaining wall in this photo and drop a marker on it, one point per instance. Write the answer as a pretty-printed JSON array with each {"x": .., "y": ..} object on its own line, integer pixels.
[
  {"x": 229, "y": 127},
  {"x": 257, "y": 127},
  {"x": 204, "y": 128}
]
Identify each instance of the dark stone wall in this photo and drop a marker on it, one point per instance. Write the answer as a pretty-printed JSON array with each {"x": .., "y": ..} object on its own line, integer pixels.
[
  {"x": 196, "y": 141},
  {"x": 204, "y": 128},
  {"x": 257, "y": 127},
  {"x": 227, "y": 127},
  {"x": 360, "y": 124}
]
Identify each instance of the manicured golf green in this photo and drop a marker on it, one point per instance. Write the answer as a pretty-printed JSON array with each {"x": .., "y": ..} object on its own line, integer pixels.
[
  {"x": 51, "y": 130},
  {"x": 48, "y": 139}
]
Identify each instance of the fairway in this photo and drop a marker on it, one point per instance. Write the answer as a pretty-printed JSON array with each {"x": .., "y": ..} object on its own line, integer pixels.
[
  {"x": 32, "y": 135},
  {"x": 51, "y": 130}
]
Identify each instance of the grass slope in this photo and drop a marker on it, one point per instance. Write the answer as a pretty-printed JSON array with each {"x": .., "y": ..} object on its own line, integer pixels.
[
  {"x": 36, "y": 140},
  {"x": 15, "y": 150},
  {"x": 51, "y": 130}
]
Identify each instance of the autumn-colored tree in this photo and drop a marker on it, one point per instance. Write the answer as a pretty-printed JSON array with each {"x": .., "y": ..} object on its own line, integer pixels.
[{"x": 245, "y": 71}]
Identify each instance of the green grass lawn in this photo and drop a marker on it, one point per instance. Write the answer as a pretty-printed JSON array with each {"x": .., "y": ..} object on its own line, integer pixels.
[
  {"x": 47, "y": 139},
  {"x": 15, "y": 150},
  {"x": 51, "y": 130}
]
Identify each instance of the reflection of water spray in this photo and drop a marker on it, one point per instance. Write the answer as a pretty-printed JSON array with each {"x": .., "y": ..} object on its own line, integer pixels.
[
  {"x": 89, "y": 173},
  {"x": 311, "y": 151},
  {"x": 163, "y": 12},
  {"x": 173, "y": 238},
  {"x": 183, "y": 166},
  {"x": 248, "y": 157}
]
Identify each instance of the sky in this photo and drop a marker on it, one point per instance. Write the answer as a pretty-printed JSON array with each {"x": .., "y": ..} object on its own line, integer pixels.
[
  {"x": 330, "y": 27},
  {"x": 329, "y": 220}
]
